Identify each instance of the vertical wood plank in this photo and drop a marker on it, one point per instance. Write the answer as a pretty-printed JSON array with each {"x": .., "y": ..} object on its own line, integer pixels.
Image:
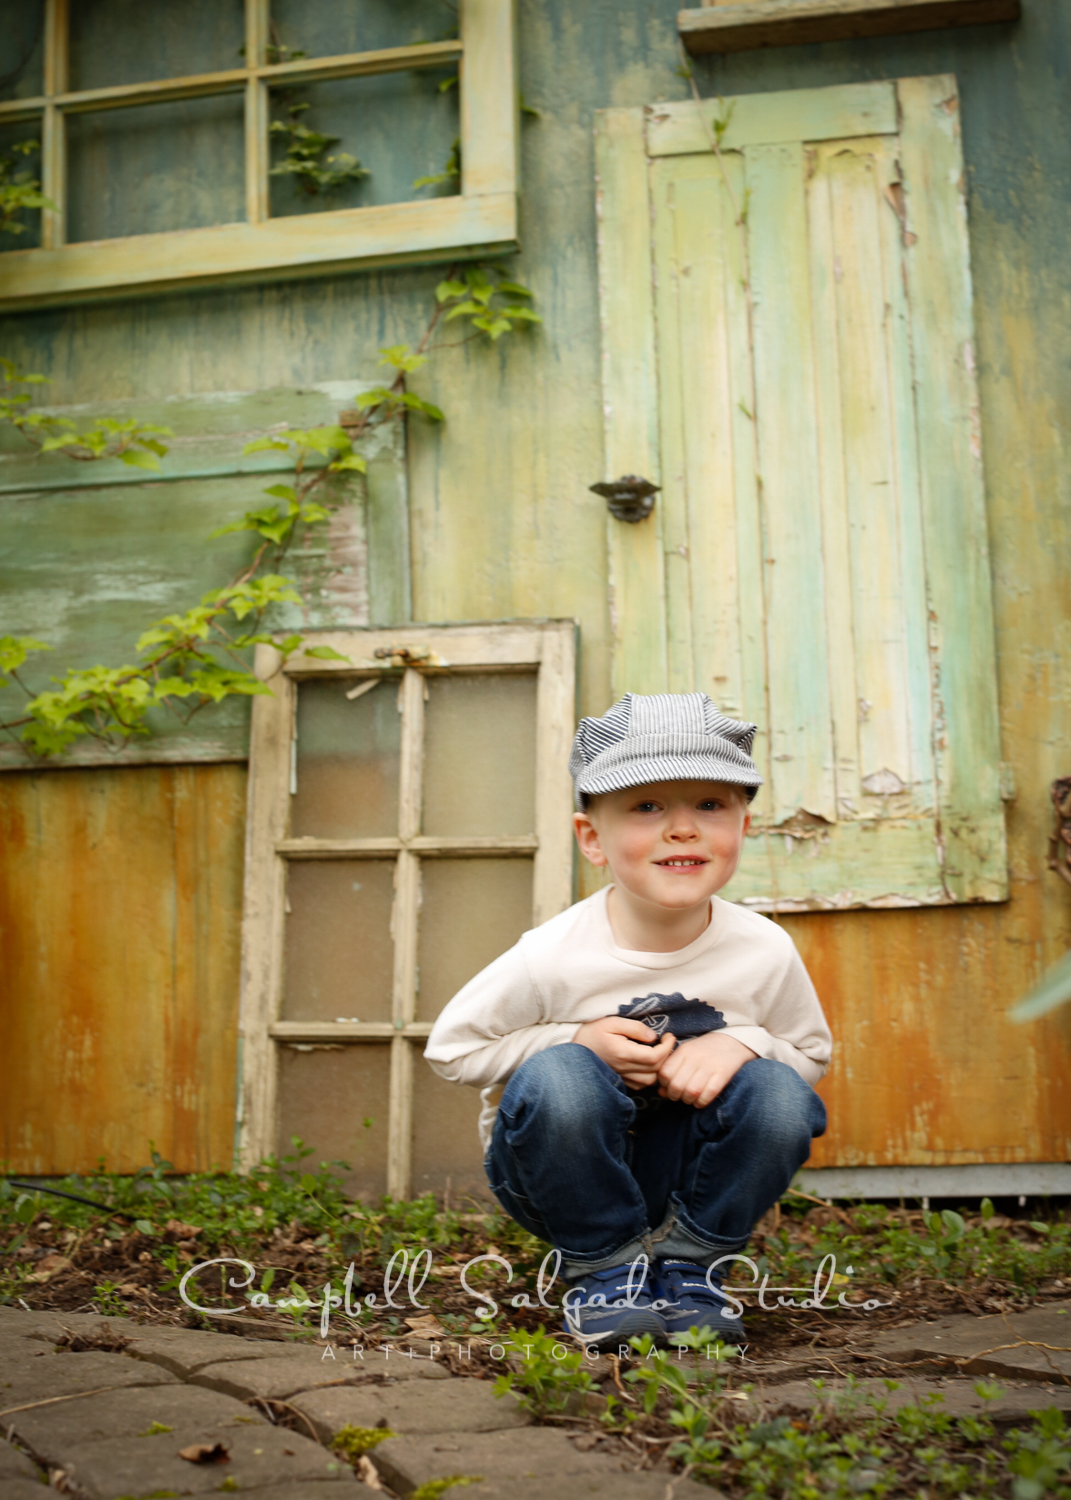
[
  {"x": 950, "y": 462},
  {"x": 800, "y": 721},
  {"x": 844, "y": 709},
  {"x": 920, "y": 727},
  {"x": 267, "y": 818},
  {"x": 670, "y": 280},
  {"x": 875, "y": 578},
  {"x": 490, "y": 110},
  {"x": 54, "y": 125},
  {"x": 404, "y": 920},
  {"x": 630, "y": 398},
  {"x": 552, "y": 875},
  {"x": 257, "y": 111},
  {"x": 706, "y": 230},
  {"x": 390, "y": 593}
]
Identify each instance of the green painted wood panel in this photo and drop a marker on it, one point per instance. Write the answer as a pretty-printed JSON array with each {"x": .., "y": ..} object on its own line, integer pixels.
[
  {"x": 92, "y": 553},
  {"x": 801, "y": 556}
]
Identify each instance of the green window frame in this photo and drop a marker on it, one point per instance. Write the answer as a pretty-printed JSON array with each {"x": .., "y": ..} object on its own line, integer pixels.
[
  {"x": 788, "y": 349},
  {"x": 480, "y": 220}
]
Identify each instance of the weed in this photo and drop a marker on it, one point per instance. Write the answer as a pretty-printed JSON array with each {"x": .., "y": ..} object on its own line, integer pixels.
[
  {"x": 106, "y": 1296},
  {"x": 433, "y": 1488},
  {"x": 154, "y": 1428},
  {"x": 549, "y": 1377},
  {"x": 350, "y": 1442}
]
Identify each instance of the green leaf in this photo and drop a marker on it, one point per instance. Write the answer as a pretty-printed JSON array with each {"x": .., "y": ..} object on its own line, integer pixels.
[
  {"x": 282, "y": 492},
  {"x": 447, "y": 289},
  {"x": 258, "y": 445},
  {"x": 137, "y": 458},
  {"x": 143, "y": 1226},
  {"x": 349, "y": 461},
  {"x": 514, "y": 288},
  {"x": 326, "y": 653}
]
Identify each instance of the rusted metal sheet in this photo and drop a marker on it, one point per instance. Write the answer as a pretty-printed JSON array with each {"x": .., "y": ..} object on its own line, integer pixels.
[{"x": 120, "y": 910}]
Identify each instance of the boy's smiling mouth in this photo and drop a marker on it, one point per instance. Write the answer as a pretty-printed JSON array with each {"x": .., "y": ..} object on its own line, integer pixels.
[{"x": 681, "y": 862}]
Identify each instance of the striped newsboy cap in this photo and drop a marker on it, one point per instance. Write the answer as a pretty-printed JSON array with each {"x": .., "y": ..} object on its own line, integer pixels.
[{"x": 661, "y": 737}]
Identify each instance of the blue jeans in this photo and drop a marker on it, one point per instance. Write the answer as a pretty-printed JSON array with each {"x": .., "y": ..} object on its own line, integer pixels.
[{"x": 606, "y": 1173}]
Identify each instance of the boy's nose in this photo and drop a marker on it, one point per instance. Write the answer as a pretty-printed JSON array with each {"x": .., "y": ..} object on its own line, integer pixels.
[{"x": 682, "y": 828}]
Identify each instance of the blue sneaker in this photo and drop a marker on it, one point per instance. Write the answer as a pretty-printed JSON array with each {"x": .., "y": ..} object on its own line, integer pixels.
[
  {"x": 614, "y": 1304},
  {"x": 696, "y": 1300}
]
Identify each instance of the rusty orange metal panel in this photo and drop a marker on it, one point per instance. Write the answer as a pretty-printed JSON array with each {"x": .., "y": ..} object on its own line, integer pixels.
[
  {"x": 120, "y": 917},
  {"x": 927, "y": 1068}
]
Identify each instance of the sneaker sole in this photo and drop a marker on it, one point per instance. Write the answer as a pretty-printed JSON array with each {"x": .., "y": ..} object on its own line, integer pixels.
[{"x": 632, "y": 1324}]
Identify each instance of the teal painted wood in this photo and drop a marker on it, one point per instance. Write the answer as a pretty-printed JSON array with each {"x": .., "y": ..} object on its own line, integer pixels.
[
  {"x": 767, "y": 118},
  {"x": 88, "y": 560},
  {"x": 798, "y": 569}
]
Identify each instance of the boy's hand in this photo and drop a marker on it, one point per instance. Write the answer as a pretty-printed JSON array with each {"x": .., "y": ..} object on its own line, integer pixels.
[
  {"x": 700, "y": 1068},
  {"x": 626, "y": 1046}
]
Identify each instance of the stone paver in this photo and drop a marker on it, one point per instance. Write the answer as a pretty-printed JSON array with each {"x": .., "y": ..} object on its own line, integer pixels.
[
  {"x": 608, "y": 1486},
  {"x": 15, "y": 1465},
  {"x": 37, "y": 1377},
  {"x": 184, "y": 1351},
  {"x": 48, "y": 1431},
  {"x": 412, "y": 1406},
  {"x": 982, "y": 1344},
  {"x": 203, "y": 1386},
  {"x": 304, "y": 1368},
  {"x": 258, "y": 1454},
  {"x": 525, "y": 1453}
]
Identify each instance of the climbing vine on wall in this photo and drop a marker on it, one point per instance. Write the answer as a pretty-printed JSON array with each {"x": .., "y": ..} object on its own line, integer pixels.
[{"x": 198, "y": 656}]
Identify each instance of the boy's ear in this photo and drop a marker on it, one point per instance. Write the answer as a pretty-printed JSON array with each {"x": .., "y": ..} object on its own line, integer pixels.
[{"x": 588, "y": 839}]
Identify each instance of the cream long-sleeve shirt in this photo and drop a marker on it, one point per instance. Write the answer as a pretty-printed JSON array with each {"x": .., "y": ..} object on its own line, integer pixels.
[{"x": 742, "y": 975}]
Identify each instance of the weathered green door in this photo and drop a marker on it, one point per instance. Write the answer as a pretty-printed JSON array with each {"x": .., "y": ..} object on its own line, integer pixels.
[{"x": 788, "y": 351}]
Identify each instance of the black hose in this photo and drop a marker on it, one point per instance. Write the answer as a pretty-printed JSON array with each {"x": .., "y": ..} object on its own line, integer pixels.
[{"x": 36, "y": 1187}]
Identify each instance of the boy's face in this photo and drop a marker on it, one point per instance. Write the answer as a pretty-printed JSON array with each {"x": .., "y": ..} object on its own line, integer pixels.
[{"x": 671, "y": 843}]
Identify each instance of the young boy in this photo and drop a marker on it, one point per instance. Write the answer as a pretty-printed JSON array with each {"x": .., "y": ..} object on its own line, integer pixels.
[{"x": 651, "y": 1050}]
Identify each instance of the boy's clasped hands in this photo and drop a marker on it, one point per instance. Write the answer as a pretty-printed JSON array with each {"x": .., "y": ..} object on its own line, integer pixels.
[{"x": 694, "y": 1071}]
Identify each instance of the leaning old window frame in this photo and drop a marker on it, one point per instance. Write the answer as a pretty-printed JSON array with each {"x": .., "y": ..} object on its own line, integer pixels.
[
  {"x": 408, "y": 654},
  {"x": 481, "y": 220}
]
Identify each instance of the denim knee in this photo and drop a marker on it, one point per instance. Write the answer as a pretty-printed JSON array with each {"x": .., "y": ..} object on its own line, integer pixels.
[
  {"x": 566, "y": 1086},
  {"x": 780, "y": 1104}
]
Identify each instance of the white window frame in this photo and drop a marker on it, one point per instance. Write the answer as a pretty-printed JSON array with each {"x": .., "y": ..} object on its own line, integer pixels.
[
  {"x": 408, "y": 653},
  {"x": 481, "y": 220}
]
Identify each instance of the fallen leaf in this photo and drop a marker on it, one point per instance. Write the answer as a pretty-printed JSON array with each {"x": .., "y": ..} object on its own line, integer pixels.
[
  {"x": 128, "y": 1289},
  {"x": 289, "y": 1452},
  {"x": 427, "y": 1325},
  {"x": 180, "y": 1230},
  {"x": 205, "y": 1453},
  {"x": 49, "y": 1266}
]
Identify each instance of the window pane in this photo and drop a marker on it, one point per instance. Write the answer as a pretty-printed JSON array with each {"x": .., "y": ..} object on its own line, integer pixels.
[
  {"x": 28, "y": 237},
  {"x": 156, "y": 167},
  {"x": 398, "y": 126},
  {"x": 446, "y": 1143},
  {"x": 324, "y": 30},
  {"x": 325, "y": 1098},
  {"x": 472, "y": 910},
  {"x": 112, "y": 41},
  {"x": 347, "y": 761},
  {"x": 479, "y": 754},
  {"x": 339, "y": 953},
  {"x": 22, "y": 52}
]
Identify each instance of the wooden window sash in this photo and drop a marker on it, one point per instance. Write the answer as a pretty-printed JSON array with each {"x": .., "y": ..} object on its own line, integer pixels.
[
  {"x": 547, "y": 647},
  {"x": 482, "y": 219}
]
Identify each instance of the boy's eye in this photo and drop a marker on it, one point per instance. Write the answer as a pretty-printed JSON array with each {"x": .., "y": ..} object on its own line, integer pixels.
[
  {"x": 711, "y": 804},
  {"x": 646, "y": 806}
]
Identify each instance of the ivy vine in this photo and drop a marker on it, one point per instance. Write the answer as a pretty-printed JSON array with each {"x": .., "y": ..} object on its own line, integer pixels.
[{"x": 198, "y": 656}]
